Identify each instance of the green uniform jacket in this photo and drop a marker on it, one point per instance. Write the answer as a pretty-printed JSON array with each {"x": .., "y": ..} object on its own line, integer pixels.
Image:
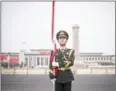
[{"x": 67, "y": 75}]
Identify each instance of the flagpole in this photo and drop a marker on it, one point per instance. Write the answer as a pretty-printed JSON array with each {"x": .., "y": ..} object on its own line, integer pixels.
[
  {"x": 52, "y": 34},
  {"x": 52, "y": 26}
]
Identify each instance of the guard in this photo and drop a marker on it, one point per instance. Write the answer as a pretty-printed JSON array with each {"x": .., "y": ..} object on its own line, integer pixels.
[{"x": 64, "y": 59}]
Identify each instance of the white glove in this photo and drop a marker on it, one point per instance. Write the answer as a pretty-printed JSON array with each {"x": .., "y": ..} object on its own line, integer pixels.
[
  {"x": 55, "y": 64},
  {"x": 53, "y": 80}
]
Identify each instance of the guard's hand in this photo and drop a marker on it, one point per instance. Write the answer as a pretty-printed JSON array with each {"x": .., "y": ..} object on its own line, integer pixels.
[
  {"x": 55, "y": 64},
  {"x": 68, "y": 62},
  {"x": 53, "y": 73}
]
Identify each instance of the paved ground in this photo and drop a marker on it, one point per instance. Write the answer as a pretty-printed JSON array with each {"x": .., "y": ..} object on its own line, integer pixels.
[{"x": 42, "y": 83}]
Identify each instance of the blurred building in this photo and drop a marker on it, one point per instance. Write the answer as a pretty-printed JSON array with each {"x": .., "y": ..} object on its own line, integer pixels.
[{"x": 40, "y": 58}]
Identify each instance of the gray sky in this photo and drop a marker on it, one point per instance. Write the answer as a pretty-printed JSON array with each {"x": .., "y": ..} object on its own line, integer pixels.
[{"x": 31, "y": 22}]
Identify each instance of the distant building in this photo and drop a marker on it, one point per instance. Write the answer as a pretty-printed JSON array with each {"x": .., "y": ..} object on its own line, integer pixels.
[{"x": 40, "y": 58}]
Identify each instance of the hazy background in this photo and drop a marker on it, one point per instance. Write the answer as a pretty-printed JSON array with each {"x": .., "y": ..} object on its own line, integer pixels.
[{"x": 30, "y": 22}]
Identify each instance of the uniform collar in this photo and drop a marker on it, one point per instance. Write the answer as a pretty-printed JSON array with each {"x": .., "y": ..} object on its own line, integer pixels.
[{"x": 62, "y": 49}]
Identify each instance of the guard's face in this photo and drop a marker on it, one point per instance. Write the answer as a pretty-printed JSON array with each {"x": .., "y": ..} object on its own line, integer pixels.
[{"x": 62, "y": 40}]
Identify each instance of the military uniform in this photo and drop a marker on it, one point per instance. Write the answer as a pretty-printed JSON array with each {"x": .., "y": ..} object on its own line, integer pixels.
[{"x": 64, "y": 75}]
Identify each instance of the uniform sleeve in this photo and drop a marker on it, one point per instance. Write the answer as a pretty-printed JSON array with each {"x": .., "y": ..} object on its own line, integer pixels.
[
  {"x": 51, "y": 76},
  {"x": 72, "y": 58}
]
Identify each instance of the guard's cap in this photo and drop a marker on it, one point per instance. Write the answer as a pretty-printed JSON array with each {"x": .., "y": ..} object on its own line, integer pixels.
[{"x": 62, "y": 33}]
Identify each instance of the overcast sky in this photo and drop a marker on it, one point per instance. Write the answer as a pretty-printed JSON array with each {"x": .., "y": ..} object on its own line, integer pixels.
[{"x": 30, "y": 22}]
